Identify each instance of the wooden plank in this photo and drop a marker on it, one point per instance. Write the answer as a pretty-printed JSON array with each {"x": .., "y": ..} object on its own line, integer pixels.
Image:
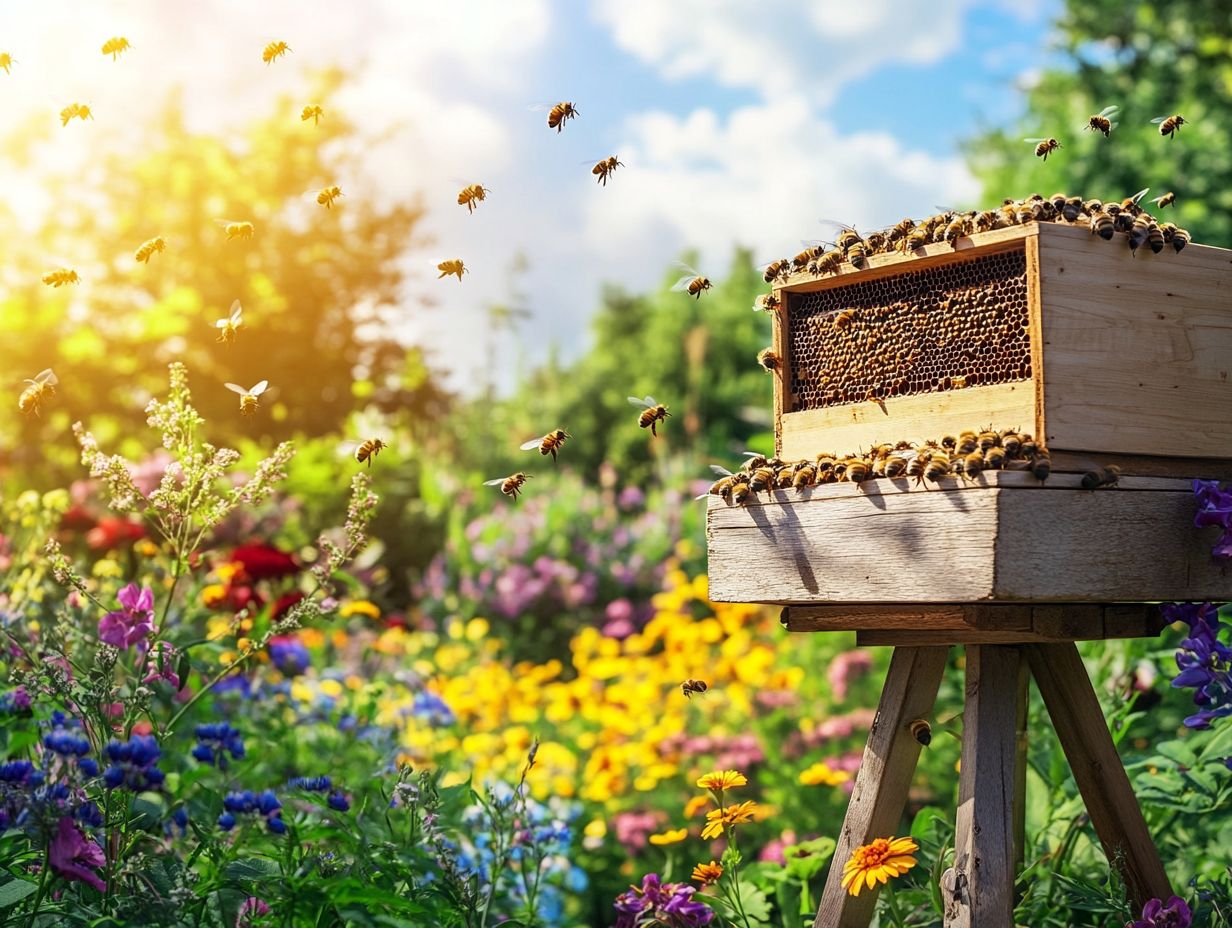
[
  {"x": 849, "y": 428},
  {"x": 1022, "y": 720},
  {"x": 959, "y": 618},
  {"x": 782, "y": 380},
  {"x": 980, "y": 887},
  {"x": 1076, "y": 714},
  {"x": 1137, "y": 350},
  {"x": 1144, "y": 465},
  {"x": 897, "y": 638},
  {"x": 880, "y": 792}
]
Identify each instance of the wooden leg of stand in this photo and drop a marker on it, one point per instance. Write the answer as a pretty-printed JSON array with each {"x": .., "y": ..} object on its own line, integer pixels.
[
  {"x": 979, "y": 889},
  {"x": 1021, "y": 743},
  {"x": 885, "y": 773},
  {"x": 1076, "y": 714}
]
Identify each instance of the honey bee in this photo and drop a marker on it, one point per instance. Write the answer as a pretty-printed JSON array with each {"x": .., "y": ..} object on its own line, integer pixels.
[
  {"x": 724, "y": 486},
  {"x": 876, "y": 243},
  {"x": 453, "y": 266},
  {"x": 769, "y": 360},
  {"x": 227, "y": 328},
  {"x": 917, "y": 238},
  {"x": 805, "y": 476},
  {"x": 369, "y": 449},
  {"x": 548, "y": 444},
  {"x": 472, "y": 196},
  {"x": 561, "y": 113},
  {"x": 114, "y": 47},
  {"x": 988, "y": 439},
  {"x": 689, "y": 687},
  {"x": 897, "y": 233},
  {"x": 311, "y": 111},
  {"x": 922, "y": 732},
  {"x": 1180, "y": 238},
  {"x": 829, "y": 263},
  {"x": 844, "y": 319},
  {"x": 327, "y": 195},
  {"x": 967, "y": 443},
  {"x": 1140, "y": 232},
  {"x": 1098, "y": 476},
  {"x": 1072, "y": 209},
  {"x": 812, "y": 251},
  {"x": 1155, "y": 237},
  {"x": 1168, "y": 199},
  {"x": 987, "y": 220},
  {"x": 604, "y": 168},
  {"x": 1102, "y": 225},
  {"x": 775, "y": 269},
  {"x": 41, "y": 388},
  {"x": 691, "y": 283},
  {"x": 1011, "y": 442},
  {"x": 915, "y": 466},
  {"x": 274, "y": 50},
  {"x": 1132, "y": 205},
  {"x": 762, "y": 478},
  {"x": 959, "y": 227},
  {"x": 651, "y": 414},
  {"x": 1102, "y": 121},
  {"x": 767, "y": 303},
  {"x": 740, "y": 492},
  {"x": 7, "y": 61},
  {"x": 61, "y": 276},
  {"x": 895, "y": 466},
  {"x": 856, "y": 254},
  {"x": 847, "y": 237},
  {"x": 1041, "y": 466},
  {"x": 938, "y": 466},
  {"x": 510, "y": 485},
  {"x": 248, "y": 398},
  {"x": 994, "y": 459},
  {"x": 149, "y": 247},
  {"x": 786, "y": 476},
  {"x": 1169, "y": 125},
  {"x": 75, "y": 110},
  {"x": 972, "y": 464},
  {"x": 857, "y": 470},
  {"x": 235, "y": 229},
  {"x": 1044, "y": 147}
]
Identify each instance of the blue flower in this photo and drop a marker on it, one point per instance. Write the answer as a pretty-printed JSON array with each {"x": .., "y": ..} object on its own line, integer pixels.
[
  {"x": 338, "y": 802},
  {"x": 265, "y": 805},
  {"x": 88, "y": 766},
  {"x": 133, "y": 764},
  {"x": 90, "y": 815},
  {"x": 312, "y": 784},
  {"x": 65, "y": 738},
  {"x": 429, "y": 707},
  {"x": 215, "y": 741},
  {"x": 289, "y": 655},
  {"x": 226, "y": 821}
]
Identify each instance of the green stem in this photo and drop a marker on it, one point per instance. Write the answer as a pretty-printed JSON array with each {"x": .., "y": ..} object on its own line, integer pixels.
[
  {"x": 892, "y": 905},
  {"x": 42, "y": 888},
  {"x": 213, "y": 681}
]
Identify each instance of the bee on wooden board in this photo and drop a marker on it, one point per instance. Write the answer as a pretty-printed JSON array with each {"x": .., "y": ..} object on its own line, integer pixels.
[
  {"x": 227, "y": 328},
  {"x": 1168, "y": 199},
  {"x": 1177, "y": 236},
  {"x": 776, "y": 269},
  {"x": 248, "y": 398},
  {"x": 1101, "y": 476},
  {"x": 472, "y": 195},
  {"x": 603, "y": 169},
  {"x": 327, "y": 195},
  {"x": 6, "y": 62},
  {"x": 922, "y": 732},
  {"x": 40, "y": 390},
  {"x": 724, "y": 485},
  {"x": 237, "y": 229},
  {"x": 829, "y": 263},
  {"x": 1041, "y": 466},
  {"x": 689, "y": 687},
  {"x": 312, "y": 111},
  {"x": 75, "y": 111},
  {"x": 115, "y": 46},
  {"x": 149, "y": 248},
  {"x": 548, "y": 444},
  {"x": 367, "y": 450},
  {"x": 813, "y": 249},
  {"x": 274, "y": 50},
  {"x": 1102, "y": 225},
  {"x": 1102, "y": 121},
  {"x": 691, "y": 283},
  {"x": 1169, "y": 125},
  {"x": 511, "y": 485},
  {"x": 59, "y": 277},
  {"x": 1044, "y": 147},
  {"x": 652, "y": 413},
  {"x": 769, "y": 360},
  {"x": 766, "y": 303},
  {"x": 453, "y": 266}
]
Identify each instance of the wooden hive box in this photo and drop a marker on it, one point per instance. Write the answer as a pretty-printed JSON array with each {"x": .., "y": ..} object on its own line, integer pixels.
[{"x": 1110, "y": 357}]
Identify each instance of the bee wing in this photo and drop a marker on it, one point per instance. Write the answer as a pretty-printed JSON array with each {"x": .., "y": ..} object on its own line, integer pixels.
[
  {"x": 685, "y": 269},
  {"x": 721, "y": 471},
  {"x": 260, "y": 388},
  {"x": 1140, "y": 194},
  {"x": 1035, "y": 141},
  {"x": 497, "y": 482},
  {"x": 530, "y": 445},
  {"x": 1158, "y": 119},
  {"x": 647, "y": 402},
  {"x": 1157, "y": 199},
  {"x": 836, "y": 225},
  {"x": 683, "y": 282},
  {"x": 1113, "y": 125},
  {"x": 222, "y": 323},
  {"x": 236, "y": 311},
  {"x": 226, "y": 222},
  {"x": 1108, "y": 110},
  {"x": 46, "y": 377},
  {"x": 235, "y": 388}
]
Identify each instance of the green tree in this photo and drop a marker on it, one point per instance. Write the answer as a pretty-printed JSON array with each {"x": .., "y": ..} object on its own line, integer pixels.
[{"x": 1151, "y": 59}]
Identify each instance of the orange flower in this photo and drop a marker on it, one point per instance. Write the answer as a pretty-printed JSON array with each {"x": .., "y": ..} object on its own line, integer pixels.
[
  {"x": 721, "y": 780},
  {"x": 673, "y": 836},
  {"x": 821, "y": 774},
  {"x": 717, "y": 820},
  {"x": 707, "y": 873},
  {"x": 877, "y": 862},
  {"x": 695, "y": 805}
]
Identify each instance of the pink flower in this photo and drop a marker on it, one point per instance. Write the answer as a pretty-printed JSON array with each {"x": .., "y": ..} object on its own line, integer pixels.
[
  {"x": 162, "y": 665},
  {"x": 845, "y": 668},
  {"x": 125, "y": 627},
  {"x": 75, "y": 857},
  {"x": 252, "y": 907}
]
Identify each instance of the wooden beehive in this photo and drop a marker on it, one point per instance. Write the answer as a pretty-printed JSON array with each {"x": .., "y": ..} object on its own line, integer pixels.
[{"x": 1109, "y": 357}]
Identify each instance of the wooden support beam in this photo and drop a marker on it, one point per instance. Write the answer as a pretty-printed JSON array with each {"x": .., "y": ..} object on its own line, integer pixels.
[
  {"x": 1079, "y": 721},
  {"x": 1048, "y": 624},
  {"x": 979, "y": 889},
  {"x": 1022, "y": 720},
  {"x": 885, "y": 774}
]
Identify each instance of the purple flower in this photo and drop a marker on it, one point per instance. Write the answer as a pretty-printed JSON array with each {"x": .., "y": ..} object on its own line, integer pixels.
[
  {"x": 75, "y": 857},
  {"x": 251, "y": 908},
  {"x": 1155, "y": 914},
  {"x": 15, "y": 701},
  {"x": 1204, "y": 661},
  {"x": 162, "y": 665},
  {"x": 289, "y": 655},
  {"x": 1215, "y": 508},
  {"x": 668, "y": 904},
  {"x": 125, "y": 627}
]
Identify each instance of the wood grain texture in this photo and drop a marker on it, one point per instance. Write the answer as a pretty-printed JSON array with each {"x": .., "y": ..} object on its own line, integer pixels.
[
  {"x": 1076, "y": 714},
  {"x": 888, "y": 766},
  {"x": 782, "y": 380},
  {"x": 1022, "y": 721},
  {"x": 980, "y": 891},
  {"x": 1044, "y": 624},
  {"x": 1035, "y": 332},
  {"x": 933, "y": 618},
  {"x": 846, "y": 429},
  {"x": 1137, "y": 350}
]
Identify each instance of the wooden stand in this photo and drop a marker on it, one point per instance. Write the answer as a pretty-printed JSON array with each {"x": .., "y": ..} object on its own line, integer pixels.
[{"x": 978, "y": 890}]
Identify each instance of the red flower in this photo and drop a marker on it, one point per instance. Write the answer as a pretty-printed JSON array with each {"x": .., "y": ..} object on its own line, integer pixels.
[
  {"x": 265, "y": 562},
  {"x": 111, "y": 532},
  {"x": 283, "y": 603},
  {"x": 77, "y": 519}
]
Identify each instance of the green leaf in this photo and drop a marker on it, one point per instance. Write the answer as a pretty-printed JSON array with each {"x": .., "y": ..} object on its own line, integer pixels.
[
  {"x": 253, "y": 868},
  {"x": 926, "y": 820},
  {"x": 14, "y": 891},
  {"x": 808, "y": 858},
  {"x": 756, "y": 905}
]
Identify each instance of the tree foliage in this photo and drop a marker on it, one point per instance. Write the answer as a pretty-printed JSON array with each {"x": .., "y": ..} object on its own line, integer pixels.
[{"x": 1150, "y": 59}]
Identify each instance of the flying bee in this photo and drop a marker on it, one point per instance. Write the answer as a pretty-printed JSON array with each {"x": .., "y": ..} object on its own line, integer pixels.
[
  {"x": 1102, "y": 121},
  {"x": 311, "y": 111},
  {"x": 776, "y": 269},
  {"x": 1169, "y": 125},
  {"x": 368, "y": 449},
  {"x": 548, "y": 444},
  {"x": 1102, "y": 225},
  {"x": 1105, "y": 476},
  {"x": 922, "y": 732},
  {"x": 1044, "y": 147},
  {"x": 327, "y": 195},
  {"x": 248, "y": 398},
  {"x": 40, "y": 389},
  {"x": 1168, "y": 199},
  {"x": 604, "y": 168},
  {"x": 769, "y": 360},
  {"x": 452, "y": 266},
  {"x": 1041, "y": 466},
  {"x": 149, "y": 248},
  {"x": 236, "y": 229},
  {"x": 1140, "y": 232},
  {"x": 61, "y": 276},
  {"x": 274, "y": 50},
  {"x": 114, "y": 47},
  {"x": 767, "y": 303},
  {"x": 691, "y": 283},
  {"x": 227, "y": 328},
  {"x": 689, "y": 687},
  {"x": 844, "y": 319},
  {"x": 510, "y": 485},
  {"x": 7, "y": 61},
  {"x": 561, "y": 113},
  {"x": 472, "y": 195},
  {"x": 652, "y": 413},
  {"x": 75, "y": 111}
]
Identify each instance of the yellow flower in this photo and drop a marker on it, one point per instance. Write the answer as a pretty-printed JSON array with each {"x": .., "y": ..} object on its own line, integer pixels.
[
  {"x": 213, "y": 595},
  {"x": 595, "y": 828},
  {"x": 707, "y": 873},
  {"x": 146, "y": 548},
  {"x": 877, "y": 862},
  {"x": 360, "y": 607},
  {"x": 106, "y": 567},
  {"x": 674, "y": 836},
  {"x": 717, "y": 820},
  {"x": 695, "y": 805},
  {"x": 822, "y": 774},
  {"x": 722, "y": 780}
]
